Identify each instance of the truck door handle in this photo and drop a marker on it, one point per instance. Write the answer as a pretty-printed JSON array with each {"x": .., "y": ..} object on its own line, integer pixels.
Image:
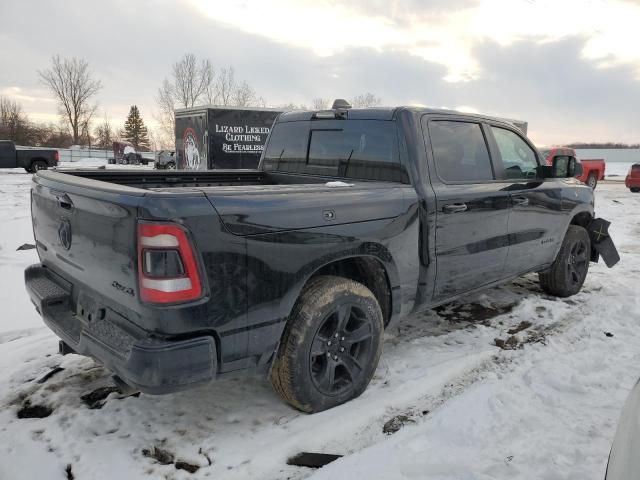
[
  {"x": 520, "y": 201},
  {"x": 454, "y": 207},
  {"x": 65, "y": 202}
]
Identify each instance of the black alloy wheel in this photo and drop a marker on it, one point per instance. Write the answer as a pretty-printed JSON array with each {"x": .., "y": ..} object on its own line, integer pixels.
[
  {"x": 340, "y": 347},
  {"x": 331, "y": 344},
  {"x": 577, "y": 263}
]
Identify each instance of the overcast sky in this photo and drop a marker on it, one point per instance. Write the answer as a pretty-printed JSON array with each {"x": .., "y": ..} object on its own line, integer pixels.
[{"x": 569, "y": 68}]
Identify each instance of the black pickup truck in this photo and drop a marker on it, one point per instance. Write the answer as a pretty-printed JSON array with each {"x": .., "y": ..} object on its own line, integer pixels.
[
  {"x": 31, "y": 159},
  {"x": 354, "y": 219}
]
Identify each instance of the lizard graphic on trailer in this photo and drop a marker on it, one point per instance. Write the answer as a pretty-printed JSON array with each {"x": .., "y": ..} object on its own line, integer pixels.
[{"x": 190, "y": 149}]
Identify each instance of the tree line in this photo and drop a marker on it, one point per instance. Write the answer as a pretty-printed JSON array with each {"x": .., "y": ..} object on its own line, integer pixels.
[
  {"x": 191, "y": 82},
  {"x": 608, "y": 145},
  {"x": 15, "y": 125}
]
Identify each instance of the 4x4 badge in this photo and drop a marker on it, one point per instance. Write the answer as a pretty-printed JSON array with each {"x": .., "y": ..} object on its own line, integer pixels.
[{"x": 64, "y": 233}]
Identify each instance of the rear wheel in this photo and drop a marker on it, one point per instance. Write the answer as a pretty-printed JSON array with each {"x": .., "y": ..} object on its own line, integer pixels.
[
  {"x": 38, "y": 165},
  {"x": 634, "y": 189},
  {"x": 592, "y": 180},
  {"x": 568, "y": 272},
  {"x": 331, "y": 345},
  {"x": 170, "y": 166}
]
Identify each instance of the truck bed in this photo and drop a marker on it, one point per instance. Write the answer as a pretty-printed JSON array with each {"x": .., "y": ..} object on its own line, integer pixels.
[{"x": 163, "y": 180}]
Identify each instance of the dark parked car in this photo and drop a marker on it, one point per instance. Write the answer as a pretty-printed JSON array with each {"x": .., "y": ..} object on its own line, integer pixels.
[
  {"x": 354, "y": 219},
  {"x": 624, "y": 460},
  {"x": 31, "y": 159}
]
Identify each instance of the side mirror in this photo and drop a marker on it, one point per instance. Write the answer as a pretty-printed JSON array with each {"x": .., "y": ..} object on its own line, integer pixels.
[{"x": 564, "y": 166}]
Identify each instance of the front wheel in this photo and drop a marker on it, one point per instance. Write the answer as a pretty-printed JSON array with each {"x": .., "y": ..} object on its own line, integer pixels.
[
  {"x": 568, "y": 272},
  {"x": 634, "y": 189},
  {"x": 331, "y": 345}
]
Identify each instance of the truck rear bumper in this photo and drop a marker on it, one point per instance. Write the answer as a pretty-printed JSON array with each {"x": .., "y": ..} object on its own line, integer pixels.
[{"x": 148, "y": 363}]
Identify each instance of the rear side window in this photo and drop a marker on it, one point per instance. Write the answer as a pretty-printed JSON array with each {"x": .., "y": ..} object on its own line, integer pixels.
[
  {"x": 518, "y": 159},
  {"x": 287, "y": 147},
  {"x": 358, "y": 149},
  {"x": 460, "y": 151}
]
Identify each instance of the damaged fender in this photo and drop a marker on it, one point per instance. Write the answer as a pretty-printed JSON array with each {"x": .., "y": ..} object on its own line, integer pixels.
[{"x": 601, "y": 241}]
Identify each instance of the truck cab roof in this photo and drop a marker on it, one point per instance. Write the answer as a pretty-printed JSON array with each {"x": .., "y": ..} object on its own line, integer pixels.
[{"x": 384, "y": 113}]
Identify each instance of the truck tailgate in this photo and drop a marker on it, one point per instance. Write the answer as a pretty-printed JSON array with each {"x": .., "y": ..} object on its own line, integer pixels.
[{"x": 88, "y": 235}]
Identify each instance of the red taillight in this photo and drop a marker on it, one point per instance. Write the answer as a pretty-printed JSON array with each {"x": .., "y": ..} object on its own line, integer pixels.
[
  {"x": 167, "y": 267},
  {"x": 56, "y": 156}
]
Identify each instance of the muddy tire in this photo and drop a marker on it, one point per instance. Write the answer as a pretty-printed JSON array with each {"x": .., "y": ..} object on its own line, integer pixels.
[
  {"x": 567, "y": 273},
  {"x": 330, "y": 347},
  {"x": 592, "y": 181}
]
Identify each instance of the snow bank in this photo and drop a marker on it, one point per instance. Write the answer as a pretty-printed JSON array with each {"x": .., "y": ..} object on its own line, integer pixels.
[{"x": 338, "y": 184}]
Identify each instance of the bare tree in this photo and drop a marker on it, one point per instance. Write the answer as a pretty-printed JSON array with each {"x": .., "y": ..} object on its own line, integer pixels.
[
  {"x": 191, "y": 81},
  {"x": 244, "y": 95},
  {"x": 194, "y": 83},
  {"x": 73, "y": 84},
  {"x": 227, "y": 91},
  {"x": 14, "y": 124},
  {"x": 319, "y": 103},
  {"x": 166, "y": 105},
  {"x": 224, "y": 87},
  {"x": 104, "y": 134},
  {"x": 190, "y": 84},
  {"x": 366, "y": 100}
]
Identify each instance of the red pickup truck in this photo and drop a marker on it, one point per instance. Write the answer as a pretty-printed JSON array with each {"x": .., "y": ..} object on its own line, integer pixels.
[
  {"x": 592, "y": 169},
  {"x": 632, "y": 182}
]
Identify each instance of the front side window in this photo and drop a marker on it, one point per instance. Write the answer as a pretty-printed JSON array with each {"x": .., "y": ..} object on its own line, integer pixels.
[
  {"x": 518, "y": 159},
  {"x": 460, "y": 151}
]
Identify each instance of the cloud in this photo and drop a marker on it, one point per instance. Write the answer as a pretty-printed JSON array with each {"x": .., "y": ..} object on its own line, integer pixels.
[
  {"x": 19, "y": 94},
  {"x": 440, "y": 32},
  {"x": 566, "y": 91},
  {"x": 564, "y": 95}
]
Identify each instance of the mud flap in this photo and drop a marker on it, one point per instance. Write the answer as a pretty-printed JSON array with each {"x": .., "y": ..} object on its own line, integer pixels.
[{"x": 601, "y": 241}]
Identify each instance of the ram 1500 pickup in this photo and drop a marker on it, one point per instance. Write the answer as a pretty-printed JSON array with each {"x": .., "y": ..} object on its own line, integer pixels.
[{"x": 354, "y": 219}]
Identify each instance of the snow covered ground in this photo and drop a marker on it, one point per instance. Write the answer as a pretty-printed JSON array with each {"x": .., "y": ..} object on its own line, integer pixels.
[{"x": 460, "y": 407}]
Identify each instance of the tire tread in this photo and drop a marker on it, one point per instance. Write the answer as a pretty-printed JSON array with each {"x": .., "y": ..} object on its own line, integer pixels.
[{"x": 282, "y": 371}]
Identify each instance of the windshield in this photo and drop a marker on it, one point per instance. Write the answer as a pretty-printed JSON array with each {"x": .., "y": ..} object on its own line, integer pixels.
[{"x": 357, "y": 149}]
